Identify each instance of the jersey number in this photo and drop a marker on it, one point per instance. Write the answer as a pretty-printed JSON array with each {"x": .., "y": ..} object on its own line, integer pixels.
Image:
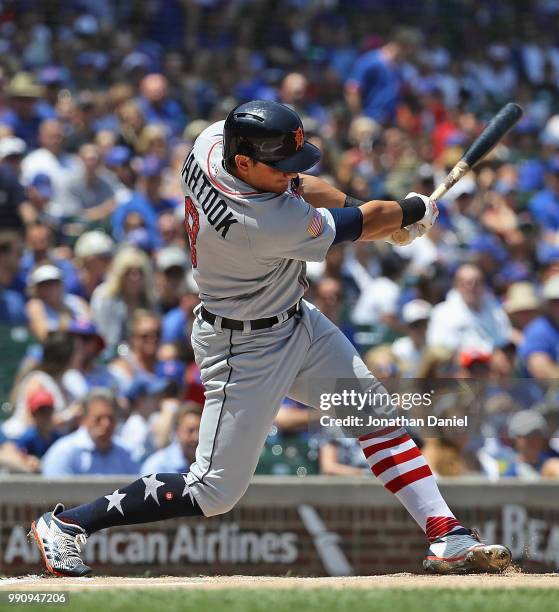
[{"x": 192, "y": 223}]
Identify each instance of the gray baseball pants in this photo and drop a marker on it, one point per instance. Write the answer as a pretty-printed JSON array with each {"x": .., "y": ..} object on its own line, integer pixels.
[{"x": 246, "y": 376}]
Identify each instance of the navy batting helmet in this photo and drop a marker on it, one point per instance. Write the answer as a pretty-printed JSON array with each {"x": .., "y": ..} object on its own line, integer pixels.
[{"x": 270, "y": 133}]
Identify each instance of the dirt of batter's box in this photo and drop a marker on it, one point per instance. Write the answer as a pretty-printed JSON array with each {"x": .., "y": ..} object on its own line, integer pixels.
[{"x": 512, "y": 578}]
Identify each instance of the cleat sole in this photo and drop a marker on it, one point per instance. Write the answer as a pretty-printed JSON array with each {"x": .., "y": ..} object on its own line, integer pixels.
[{"x": 487, "y": 558}]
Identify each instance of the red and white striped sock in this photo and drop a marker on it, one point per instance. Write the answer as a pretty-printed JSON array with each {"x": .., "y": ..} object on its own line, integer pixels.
[{"x": 397, "y": 462}]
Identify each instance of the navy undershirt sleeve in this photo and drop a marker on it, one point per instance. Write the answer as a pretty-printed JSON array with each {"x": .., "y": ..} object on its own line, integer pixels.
[{"x": 349, "y": 223}]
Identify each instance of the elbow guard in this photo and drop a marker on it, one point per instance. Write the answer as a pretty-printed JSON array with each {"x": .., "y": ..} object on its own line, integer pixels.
[{"x": 348, "y": 222}]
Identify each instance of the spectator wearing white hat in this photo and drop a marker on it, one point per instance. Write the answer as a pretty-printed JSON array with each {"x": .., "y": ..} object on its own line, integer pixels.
[
  {"x": 522, "y": 306},
  {"x": 410, "y": 348},
  {"x": 94, "y": 251},
  {"x": 50, "y": 308},
  {"x": 539, "y": 351},
  {"x": 40, "y": 249},
  {"x": 12, "y": 151},
  {"x": 534, "y": 457}
]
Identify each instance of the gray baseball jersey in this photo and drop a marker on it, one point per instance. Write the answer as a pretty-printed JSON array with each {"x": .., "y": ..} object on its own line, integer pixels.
[
  {"x": 248, "y": 255},
  {"x": 248, "y": 247}
]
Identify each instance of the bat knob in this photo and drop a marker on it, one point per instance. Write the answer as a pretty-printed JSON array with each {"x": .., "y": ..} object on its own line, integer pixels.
[{"x": 401, "y": 236}]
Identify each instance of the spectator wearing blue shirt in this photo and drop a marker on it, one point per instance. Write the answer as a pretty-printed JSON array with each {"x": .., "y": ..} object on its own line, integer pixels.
[
  {"x": 27, "y": 111},
  {"x": 539, "y": 351},
  {"x": 533, "y": 457},
  {"x": 145, "y": 396},
  {"x": 12, "y": 303},
  {"x": 39, "y": 250},
  {"x": 176, "y": 324},
  {"x": 531, "y": 168},
  {"x": 158, "y": 107},
  {"x": 342, "y": 53},
  {"x": 93, "y": 448},
  {"x": 178, "y": 456},
  {"x": 39, "y": 193},
  {"x": 41, "y": 435},
  {"x": 294, "y": 419},
  {"x": 544, "y": 206},
  {"x": 146, "y": 200},
  {"x": 166, "y": 23},
  {"x": 53, "y": 79},
  {"x": 373, "y": 88},
  {"x": 86, "y": 372},
  {"x": 50, "y": 307},
  {"x": 120, "y": 172}
]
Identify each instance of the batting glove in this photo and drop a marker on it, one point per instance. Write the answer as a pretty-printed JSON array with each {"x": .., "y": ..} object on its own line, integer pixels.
[
  {"x": 431, "y": 210},
  {"x": 407, "y": 235}
]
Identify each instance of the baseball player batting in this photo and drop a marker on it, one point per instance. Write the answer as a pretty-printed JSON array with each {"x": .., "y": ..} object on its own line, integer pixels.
[{"x": 253, "y": 220}]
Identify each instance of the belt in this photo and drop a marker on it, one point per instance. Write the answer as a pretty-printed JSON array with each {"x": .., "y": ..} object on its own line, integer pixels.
[{"x": 254, "y": 324}]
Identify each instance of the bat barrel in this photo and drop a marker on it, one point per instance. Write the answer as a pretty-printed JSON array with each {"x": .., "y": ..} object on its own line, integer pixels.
[{"x": 495, "y": 130}]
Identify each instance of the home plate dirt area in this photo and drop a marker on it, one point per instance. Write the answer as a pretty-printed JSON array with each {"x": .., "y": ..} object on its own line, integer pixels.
[{"x": 510, "y": 579}]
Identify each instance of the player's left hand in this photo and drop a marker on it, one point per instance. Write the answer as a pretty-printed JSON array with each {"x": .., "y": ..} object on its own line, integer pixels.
[{"x": 431, "y": 210}]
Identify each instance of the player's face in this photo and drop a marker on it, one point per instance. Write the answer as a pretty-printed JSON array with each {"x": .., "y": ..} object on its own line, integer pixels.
[{"x": 261, "y": 176}]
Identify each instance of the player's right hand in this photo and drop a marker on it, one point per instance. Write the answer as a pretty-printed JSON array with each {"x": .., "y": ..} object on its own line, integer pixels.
[{"x": 431, "y": 210}]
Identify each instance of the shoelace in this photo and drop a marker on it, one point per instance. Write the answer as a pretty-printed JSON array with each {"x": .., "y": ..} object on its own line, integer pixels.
[
  {"x": 73, "y": 545},
  {"x": 474, "y": 534},
  {"x": 80, "y": 539}
]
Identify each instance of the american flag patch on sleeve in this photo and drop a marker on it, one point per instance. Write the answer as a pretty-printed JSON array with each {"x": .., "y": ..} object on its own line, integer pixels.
[{"x": 316, "y": 224}]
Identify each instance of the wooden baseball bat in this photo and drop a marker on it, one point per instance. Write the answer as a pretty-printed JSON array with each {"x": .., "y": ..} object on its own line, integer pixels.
[{"x": 493, "y": 132}]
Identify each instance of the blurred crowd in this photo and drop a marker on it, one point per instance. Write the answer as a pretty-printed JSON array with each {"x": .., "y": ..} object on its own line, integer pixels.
[{"x": 100, "y": 102}]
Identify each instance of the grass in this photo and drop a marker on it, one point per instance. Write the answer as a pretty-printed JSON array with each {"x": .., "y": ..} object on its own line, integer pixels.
[{"x": 310, "y": 600}]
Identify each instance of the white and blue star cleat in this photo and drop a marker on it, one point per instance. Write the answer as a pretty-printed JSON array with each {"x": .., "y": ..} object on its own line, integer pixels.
[
  {"x": 59, "y": 544},
  {"x": 463, "y": 552}
]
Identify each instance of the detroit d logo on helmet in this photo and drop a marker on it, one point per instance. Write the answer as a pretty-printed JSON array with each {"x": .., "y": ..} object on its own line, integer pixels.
[{"x": 299, "y": 138}]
